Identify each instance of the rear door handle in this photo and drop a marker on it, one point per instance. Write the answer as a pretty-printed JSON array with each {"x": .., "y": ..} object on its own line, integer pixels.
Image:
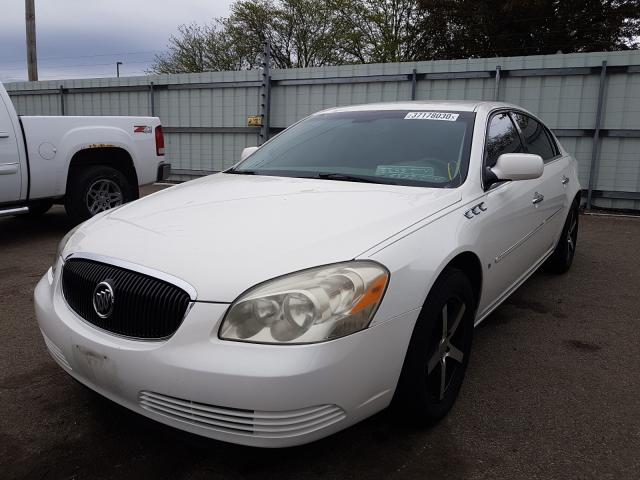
[
  {"x": 537, "y": 198},
  {"x": 4, "y": 134},
  {"x": 565, "y": 179}
]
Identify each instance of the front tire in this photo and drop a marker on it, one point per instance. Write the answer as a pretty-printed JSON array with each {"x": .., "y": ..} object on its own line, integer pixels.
[
  {"x": 96, "y": 189},
  {"x": 562, "y": 257},
  {"x": 439, "y": 350}
]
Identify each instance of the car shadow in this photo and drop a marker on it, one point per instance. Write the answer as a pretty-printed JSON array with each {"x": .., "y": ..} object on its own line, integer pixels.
[
  {"x": 384, "y": 437},
  {"x": 23, "y": 228}
]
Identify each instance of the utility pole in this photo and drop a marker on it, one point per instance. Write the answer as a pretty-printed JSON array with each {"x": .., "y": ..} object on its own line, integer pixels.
[
  {"x": 118, "y": 69},
  {"x": 32, "y": 58}
]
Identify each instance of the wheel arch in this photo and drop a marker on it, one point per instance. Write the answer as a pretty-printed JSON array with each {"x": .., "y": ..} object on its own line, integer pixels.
[
  {"x": 468, "y": 263},
  {"x": 114, "y": 157},
  {"x": 577, "y": 197}
]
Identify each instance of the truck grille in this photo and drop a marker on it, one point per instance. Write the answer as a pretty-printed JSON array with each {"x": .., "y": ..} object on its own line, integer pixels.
[{"x": 141, "y": 306}]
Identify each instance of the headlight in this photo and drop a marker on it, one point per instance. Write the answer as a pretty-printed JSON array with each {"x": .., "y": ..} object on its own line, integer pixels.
[
  {"x": 310, "y": 306},
  {"x": 61, "y": 245}
]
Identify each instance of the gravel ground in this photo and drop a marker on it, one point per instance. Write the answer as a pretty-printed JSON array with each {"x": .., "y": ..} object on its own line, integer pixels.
[{"x": 553, "y": 389}]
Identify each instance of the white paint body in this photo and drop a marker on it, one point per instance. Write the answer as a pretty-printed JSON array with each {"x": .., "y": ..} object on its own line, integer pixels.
[
  {"x": 35, "y": 152},
  {"x": 225, "y": 233}
]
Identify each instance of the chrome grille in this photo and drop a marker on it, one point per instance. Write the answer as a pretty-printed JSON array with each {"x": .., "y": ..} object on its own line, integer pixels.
[
  {"x": 243, "y": 422},
  {"x": 144, "y": 307}
]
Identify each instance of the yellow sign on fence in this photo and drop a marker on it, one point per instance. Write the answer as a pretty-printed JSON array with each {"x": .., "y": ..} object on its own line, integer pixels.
[{"x": 254, "y": 121}]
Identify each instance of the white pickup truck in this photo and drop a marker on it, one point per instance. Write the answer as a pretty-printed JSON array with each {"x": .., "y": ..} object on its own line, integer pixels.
[{"x": 89, "y": 164}]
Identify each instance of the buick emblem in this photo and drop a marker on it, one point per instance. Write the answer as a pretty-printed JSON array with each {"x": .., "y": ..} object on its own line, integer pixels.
[{"x": 103, "y": 299}]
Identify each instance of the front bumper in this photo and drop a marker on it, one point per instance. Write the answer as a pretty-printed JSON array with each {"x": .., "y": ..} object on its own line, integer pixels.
[{"x": 259, "y": 395}]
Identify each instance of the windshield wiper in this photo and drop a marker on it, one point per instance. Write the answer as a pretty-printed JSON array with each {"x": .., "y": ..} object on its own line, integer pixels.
[
  {"x": 242, "y": 172},
  {"x": 352, "y": 178}
]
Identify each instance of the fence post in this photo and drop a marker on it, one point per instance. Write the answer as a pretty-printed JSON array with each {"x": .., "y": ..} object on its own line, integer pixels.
[
  {"x": 595, "y": 149},
  {"x": 61, "y": 100},
  {"x": 265, "y": 93},
  {"x": 414, "y": 81},
  {"x": 496, "y": 88},
  {"x": 152, "y": 99}
]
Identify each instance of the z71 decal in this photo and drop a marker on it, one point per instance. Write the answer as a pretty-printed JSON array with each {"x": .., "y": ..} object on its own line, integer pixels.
[{"x": 141, "y": 129}]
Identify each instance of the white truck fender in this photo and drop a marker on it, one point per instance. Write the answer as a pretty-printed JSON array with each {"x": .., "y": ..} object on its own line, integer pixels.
[{"x": 74, "y": 141}]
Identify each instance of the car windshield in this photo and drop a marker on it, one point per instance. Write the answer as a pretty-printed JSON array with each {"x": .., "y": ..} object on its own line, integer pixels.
[{"x": 418, "y": 148}]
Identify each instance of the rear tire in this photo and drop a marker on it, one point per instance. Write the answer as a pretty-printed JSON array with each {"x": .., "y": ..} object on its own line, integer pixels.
[
  {"x": 562, "y": 257},
  {"x": 439, "y": 350},
  {"x": 95, "y": 189}
]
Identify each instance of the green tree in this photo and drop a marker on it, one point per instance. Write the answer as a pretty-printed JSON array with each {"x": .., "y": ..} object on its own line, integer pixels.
[
  {"x": 198, "y": 49},
  {"x": 379, "y": 31},
  {"x": 302, "y": 33},
  {"x": 471, "y": 28},
  {"x": 310, "y": 33}
]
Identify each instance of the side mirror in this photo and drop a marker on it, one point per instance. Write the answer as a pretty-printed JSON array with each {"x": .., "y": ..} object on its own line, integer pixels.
[
  {"x": 518, "y": 166},
  {"x": 246, "y": 152}
]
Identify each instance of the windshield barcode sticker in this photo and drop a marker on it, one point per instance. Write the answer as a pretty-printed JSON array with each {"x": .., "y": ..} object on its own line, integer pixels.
[{"x": 446, "y": 116}]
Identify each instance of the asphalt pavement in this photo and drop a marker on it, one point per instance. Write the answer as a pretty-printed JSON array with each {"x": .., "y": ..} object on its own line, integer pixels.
[{"x": 552, "y": 392}]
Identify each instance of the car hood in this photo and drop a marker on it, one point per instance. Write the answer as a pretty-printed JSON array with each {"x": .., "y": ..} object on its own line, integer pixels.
[{"x": 225, "y": 233}]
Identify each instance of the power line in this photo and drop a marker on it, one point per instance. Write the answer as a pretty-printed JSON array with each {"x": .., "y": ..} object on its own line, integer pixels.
[
  {"x": 86, "y": 56},
  {"x": 81, "y": 65}
]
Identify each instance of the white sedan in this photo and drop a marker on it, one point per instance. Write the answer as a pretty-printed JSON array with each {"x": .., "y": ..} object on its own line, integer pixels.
[{"x": 341, "y": 266}]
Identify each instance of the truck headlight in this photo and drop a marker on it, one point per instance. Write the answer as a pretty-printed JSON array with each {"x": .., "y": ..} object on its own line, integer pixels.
[{"x": 310, "y": 306}]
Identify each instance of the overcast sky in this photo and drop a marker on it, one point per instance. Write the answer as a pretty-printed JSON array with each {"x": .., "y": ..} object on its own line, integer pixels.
[{"x": 85, "y": 38}]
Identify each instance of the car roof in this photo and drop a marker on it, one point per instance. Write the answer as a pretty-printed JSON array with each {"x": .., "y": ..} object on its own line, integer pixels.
[{"x": 455, "y": 105}]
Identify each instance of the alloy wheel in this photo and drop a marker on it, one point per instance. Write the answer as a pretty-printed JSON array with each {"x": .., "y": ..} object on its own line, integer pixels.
[
  {"x": 103, "y": 194},
  {"x": 446, "y": 356}
]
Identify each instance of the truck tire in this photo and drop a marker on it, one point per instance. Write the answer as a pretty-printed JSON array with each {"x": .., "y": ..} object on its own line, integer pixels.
[{"x": 94, "y": 189}]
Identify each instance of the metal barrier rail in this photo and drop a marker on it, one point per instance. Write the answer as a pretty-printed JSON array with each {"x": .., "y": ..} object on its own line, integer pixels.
[{"x": 266, "y": 84}]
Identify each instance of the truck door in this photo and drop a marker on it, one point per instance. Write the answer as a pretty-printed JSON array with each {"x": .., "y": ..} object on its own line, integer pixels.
[{"x": 10, "y": 169}]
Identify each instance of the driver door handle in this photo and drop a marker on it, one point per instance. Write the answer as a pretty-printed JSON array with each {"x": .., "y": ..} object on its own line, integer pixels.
[
  {"x": 537, "y": 198},
  {"x": 4, "y": 134}
]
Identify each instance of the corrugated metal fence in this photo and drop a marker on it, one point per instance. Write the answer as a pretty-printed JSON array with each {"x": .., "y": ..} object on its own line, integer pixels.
[{"x": 591, "y": 101}]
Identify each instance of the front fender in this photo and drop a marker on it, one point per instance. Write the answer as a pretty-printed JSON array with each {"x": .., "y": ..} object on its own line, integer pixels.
[{"x": 418, "y": 258}]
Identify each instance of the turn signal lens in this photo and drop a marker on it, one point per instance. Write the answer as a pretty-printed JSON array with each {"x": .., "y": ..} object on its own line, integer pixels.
[{"x": 311, "y": 306}]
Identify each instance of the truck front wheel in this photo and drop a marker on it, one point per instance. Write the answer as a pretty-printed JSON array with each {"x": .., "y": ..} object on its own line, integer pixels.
[{"x": 95, "y": 189}]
